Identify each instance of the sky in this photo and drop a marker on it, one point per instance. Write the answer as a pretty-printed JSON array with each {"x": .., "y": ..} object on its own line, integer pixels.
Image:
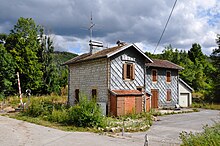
[{"x": 132, "y": 21}]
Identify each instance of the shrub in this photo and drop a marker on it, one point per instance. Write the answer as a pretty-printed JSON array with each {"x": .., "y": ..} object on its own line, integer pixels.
[
  {"x": 86, "y": 114},
  {"x": 59, "y": 116},
  {"x": 210, "y": 137}
]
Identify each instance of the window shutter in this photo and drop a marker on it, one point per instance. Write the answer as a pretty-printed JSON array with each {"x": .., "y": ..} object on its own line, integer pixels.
[
  {"x": 168, "y": 76},
  {"x": 132, "y": 71},
  {"x": 124, "y": 71},
  {"x": 154, "y": 75}
]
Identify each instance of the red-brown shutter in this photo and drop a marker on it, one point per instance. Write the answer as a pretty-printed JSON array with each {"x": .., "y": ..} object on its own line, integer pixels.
[
  {"x": 154, "y": 75},
  {"x": 132, "y": 71},
  {"x": 168, "y": 77},
  {"x": 124, "y": 70}
]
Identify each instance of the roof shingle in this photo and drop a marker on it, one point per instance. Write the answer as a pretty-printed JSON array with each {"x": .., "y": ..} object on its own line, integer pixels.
[
  {"x": 88, "y": 56},
  {"x": 164, "y": 64}
]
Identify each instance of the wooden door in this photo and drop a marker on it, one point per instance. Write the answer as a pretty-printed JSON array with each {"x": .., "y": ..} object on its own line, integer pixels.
[{"x": 154, "y": 98}]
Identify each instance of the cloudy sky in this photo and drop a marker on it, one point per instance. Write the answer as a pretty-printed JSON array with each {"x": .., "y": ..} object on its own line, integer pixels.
[{"x": 133, "y": 21}]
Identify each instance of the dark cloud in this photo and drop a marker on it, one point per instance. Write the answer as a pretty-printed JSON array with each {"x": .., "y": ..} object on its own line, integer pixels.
[{"x": 137, "y": 21}]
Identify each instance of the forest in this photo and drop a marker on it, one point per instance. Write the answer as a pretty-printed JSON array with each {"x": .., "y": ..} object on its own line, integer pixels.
[{"x": 27, "y": 49}]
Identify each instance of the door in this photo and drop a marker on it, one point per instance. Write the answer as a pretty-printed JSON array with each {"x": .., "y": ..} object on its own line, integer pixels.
[
  {"x": 154, "y": 98},
  {"x": 184, "y": 99}
]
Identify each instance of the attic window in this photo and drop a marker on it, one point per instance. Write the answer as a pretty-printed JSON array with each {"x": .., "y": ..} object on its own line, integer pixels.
[
  {"x": 168, "y": 76},
  {"x": 154, "y": 75},
  {"x": 128, "y": 71}
]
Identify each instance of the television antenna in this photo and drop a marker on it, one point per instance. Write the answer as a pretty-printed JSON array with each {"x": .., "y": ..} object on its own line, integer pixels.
[{"x": 91, "y": 27}]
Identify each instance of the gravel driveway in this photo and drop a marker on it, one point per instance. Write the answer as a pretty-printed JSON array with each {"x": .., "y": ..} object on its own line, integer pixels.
[{"x": 165, "y": 132}]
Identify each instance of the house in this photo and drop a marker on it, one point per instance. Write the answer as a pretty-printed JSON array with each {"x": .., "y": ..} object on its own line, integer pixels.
[
  {"x": 162, "y": 82},
  {"x": 122, "y": 80},
  {"x": 114, "y": 77},
  {"x": 185, "y": 94}
]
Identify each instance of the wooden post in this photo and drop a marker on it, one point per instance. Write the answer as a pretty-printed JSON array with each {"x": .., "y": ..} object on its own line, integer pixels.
[{"x": 19, "y": 88}]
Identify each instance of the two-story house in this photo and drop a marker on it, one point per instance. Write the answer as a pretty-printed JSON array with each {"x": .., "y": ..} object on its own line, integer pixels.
[
  {"x": 118, "y": 78},
  {"x": 162, "y": 82}
]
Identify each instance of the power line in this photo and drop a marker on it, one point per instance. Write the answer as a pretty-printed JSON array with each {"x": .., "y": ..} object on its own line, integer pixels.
[{"x": 165, "y": 25}]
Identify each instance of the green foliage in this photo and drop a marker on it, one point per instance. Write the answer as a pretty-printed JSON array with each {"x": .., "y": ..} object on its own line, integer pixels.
[
  {"x": 196, "y": 53},
  {"x": 29, "y": 51},
  {"x": 23, "y": 45},
  {"x": 216, "y": 74},
  {"x": 86, "y": 114},
  {"x": 210, "y": 137},
  {"x": 6, "y": 72}
]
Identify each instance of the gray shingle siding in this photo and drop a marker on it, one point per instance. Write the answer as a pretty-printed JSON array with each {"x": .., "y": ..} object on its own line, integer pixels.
[
  {"x": 116, "y": 70},
  {"x": 162, "y": 85}
]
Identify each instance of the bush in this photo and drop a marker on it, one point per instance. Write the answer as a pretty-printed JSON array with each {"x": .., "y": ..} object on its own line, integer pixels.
[
  {"x": 86, "y": 114},
  {"x": 43, "y": 106},
  {"x": 59, "y": 116},
  {"x": 210, "y": 137}
]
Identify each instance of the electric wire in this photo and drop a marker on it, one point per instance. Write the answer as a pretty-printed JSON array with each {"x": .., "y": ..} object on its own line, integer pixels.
[{"x": 165, "y": 26}]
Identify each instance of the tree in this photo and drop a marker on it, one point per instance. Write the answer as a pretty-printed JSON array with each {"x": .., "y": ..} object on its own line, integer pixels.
[
  {"x": 7, "y": 72},
  {"x": 215, "y": 56},
  {"x": 196, "y": 53},
  {"x": 49, "y": 69},
  {"x": 23, "y": 44}
]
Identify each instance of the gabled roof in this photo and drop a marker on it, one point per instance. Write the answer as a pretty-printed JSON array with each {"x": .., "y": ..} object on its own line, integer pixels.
[
  {"x": 164, "y": 64},
  {"x": 185, "y": 84},
  {"x": 104, "y": 53}
]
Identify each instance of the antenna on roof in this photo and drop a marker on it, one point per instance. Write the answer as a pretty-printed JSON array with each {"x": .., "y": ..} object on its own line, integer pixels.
[
  {"x": 91, "y": 27},
  {"x": 92, "y": 43}
]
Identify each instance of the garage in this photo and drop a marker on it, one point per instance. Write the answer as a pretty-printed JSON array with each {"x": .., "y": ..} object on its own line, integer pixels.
[
  {"x": 185, "y": 94},
  {"x": 184, "y": 100}
]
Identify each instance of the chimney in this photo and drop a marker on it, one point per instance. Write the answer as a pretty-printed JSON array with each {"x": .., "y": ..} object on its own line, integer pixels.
[
  {"x": 120, "y": 43},
  {"x": 94, "y": 46}
]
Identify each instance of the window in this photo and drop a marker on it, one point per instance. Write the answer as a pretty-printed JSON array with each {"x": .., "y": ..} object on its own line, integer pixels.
[
  {"x": 77, "y": 95},
  {"x": 168, "y": 95},
  {"x": 128, "y": 71},
  {"x": 168, "y": 76},
  {"x": 94, "y": 94},
  {"x": 154, "y": 75}
]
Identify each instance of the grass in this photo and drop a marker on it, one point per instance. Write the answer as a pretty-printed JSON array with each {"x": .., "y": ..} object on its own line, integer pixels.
[
  {"x": 209, "y": 137},
  {"x": 41, "y": 121},
  {"x": 212, "y": 106}
]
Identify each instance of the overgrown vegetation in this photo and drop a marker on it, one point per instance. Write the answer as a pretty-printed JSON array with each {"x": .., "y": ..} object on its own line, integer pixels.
[
  {"x": 210, "y": 137},
  {"x": 85, "y": 116}
]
